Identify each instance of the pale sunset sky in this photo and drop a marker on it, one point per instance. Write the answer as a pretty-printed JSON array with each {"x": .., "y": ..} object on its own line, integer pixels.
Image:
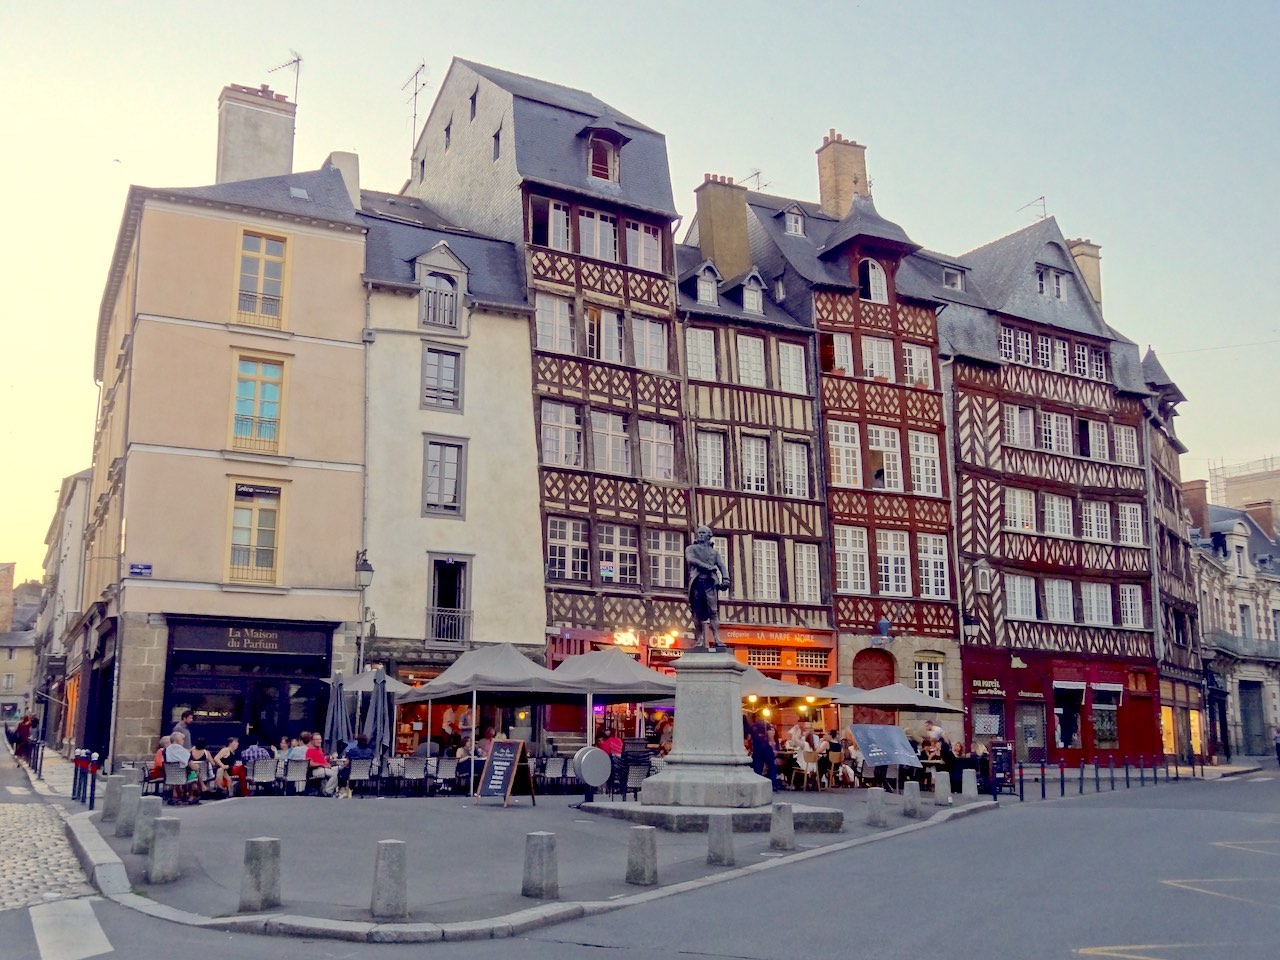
[{"x": 1151, "y": 128}]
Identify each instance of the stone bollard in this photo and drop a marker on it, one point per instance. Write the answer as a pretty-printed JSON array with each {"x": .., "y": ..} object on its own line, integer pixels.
[
  {"x": 111, "y": 798},
  {"x": 162, "y": 859},
  {"x": 144, "y": 823},
  {"x": 969, "y": 785},
  {"x": 941, "y": 788},
  {"x": 541, "y": 874},
  {"x": 911, "y": 799},
  {"x": 133, "y": 775},
  {"x": 260, "y": 884},
  {"x": 390, "y": 888},
  {"x": 720, "y": 840},
  {"x": 876, "y": 816},
  {"x": 782, "y": 828},
  {"x": 642, "y": 856},
  {"x": 127, "y": 812}
]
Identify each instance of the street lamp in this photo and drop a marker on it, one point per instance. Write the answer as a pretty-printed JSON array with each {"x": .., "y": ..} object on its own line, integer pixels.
[{"x": 364, "y": 577}]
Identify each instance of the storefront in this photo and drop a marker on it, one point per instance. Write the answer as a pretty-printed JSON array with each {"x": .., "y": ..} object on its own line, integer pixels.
[
  {"x": 261, "y": 679},
  {"x": 1053, "y": 709},
  {"x": 1182, "y": 731}
]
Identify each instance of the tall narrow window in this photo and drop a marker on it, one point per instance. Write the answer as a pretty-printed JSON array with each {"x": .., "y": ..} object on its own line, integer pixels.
[
  {"x": 931, "y": 554},
  {"x": 644, "y": 246},
  {"x": 1019, "y": 509},
  {"x": 917, "y": 365},
  {"x": 664, "y": 550},
  {"x": 1131, "y": 606},
  {"x": 1019, "y": 426},
  {"x": 750, "y": 361},
  {"x": 752, "y": 298},
  {"x": 794, "y": 223},
  {"x": 871, "y": 282},
  {"x": 1042, "y": 280},
  {"x": 1055, "y": 432},
  {"x": 257, "y": 419},
  {"x": 475, "y": 95},
  {"x": 1024, "y": 347},
  {"x": 254, "y": 533},
  {"x": 443, "y": 478},
  {"x": 568, "y": 553},
  {"x": 791, "y": 376},
  {"x": 1098, "y": 446},
  {"x": 1246, "y": 621},
  {"x": 1006, "y": 343},
  {"x": 439, "y": 302},
  {"x": 649, "y": 338},
  {"x": 617, "y": 554},
  {"x": 657, "y": 450},
  {"x": 842, "y": 353},
  {"x": 1095, "y": 604},
  {"x": 877, "y": 358},
  {"x": 1060, "y": 356},
  {"x": 1129, "y": 522},
  {"x": 549, "y": 223},
  {"x": 700, "y": 353},
  {"x": 1095, "y": 520},
  {"x": 1126, "y": 444},
  {"x": 1082, "y": 360},
  {"x": 764, "y": 570},
  {"x": 846, "y": 454},
  {"x": 886, "y": 459},
  {"x": 1019, "y": 597},
  {"x": 851, "y": 560},
  {"x": 710, "y": 459},
  {"x": 1044, "y": 352},
  {"x": 441, "y": 378},
  {"x": 604, "y": 160},
  {"x": 554, "y": 324},
  {"x": 1059, "y": 606},
  {"x": 893, "y": 563},
  {"x": 604, "y": 333},
  {"x": 561, "y": 434},
  {"x": 795, "y": 469},
  {"x": 708, "y": 289},
  {"x": 755, "y": 465},
  {"x": 610, "y": 442},
  {"x": 926, "y": 473},
  {"x": 1098, "y": 363},
  {"x": 928, "y": 675},
  {"x": 804, "y": 586},
  {"x": 261, "y": 280},
  {"x": 1057, "y": 515},
  {"x": 598, "y": 235},
  {"x": 497, "y": 143}
]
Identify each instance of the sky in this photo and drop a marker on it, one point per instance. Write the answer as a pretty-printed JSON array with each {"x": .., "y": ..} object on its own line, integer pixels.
[{"x": 1150, "y": 128}]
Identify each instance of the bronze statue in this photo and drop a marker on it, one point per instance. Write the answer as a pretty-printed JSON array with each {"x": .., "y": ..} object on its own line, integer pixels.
[{"x": 707, "y": 577}]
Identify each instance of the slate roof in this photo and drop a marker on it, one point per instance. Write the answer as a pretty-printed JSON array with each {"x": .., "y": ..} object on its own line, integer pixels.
[
  {"x": 552, "y": 94},
  {"x": 729, "y": 306},
  {"x": 801, "y": 253},
  {"x": 18, "y": 638},
  {"x": 1223, "y": 520},
  {"x": 863, "y": 220},
  {"x": 327, "y": 197}
]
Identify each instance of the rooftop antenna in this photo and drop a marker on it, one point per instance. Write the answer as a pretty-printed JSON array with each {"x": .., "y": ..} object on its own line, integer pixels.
[
  {"x": 418, "y": 81},
  {"x": 1037, "y": 201},
  {"x": 296, "y": 63},
  {"x": 757, "y": 176}
]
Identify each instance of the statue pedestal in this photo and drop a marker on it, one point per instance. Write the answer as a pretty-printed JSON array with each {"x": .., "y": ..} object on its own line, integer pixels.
[{"x": 707, "y": 766}]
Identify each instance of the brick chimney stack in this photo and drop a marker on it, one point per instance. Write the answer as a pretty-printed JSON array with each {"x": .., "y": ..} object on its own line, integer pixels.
[
  {"x": 255, "y": 133},
  {"x": 722, "y": 224},
  {"x": 842, "y": 174},
  {"x": 1195, "y": 496},
  {"x": 1088, "y": 257},
  {"x": 1263, "y": 513}
]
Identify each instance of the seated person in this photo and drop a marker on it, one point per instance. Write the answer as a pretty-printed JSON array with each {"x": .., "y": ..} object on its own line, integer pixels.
[
  {"x": 177, "y": 752},
  {"x": 157, "y": 764},
  {"x": 359, "y": 749},
  {"x": 486, "y": 742},
  {"x": 319, "y": 767},
  {"x": 425, "y": 748},
  {"x": 298, "y": 748},
  {"x": 202, "y": 764},
  {"x": 223, "y": 760},
  {"x": 281, "y": 750},
  {"x": 610, "y": 743},
  {"x": 931, "y": 750}
]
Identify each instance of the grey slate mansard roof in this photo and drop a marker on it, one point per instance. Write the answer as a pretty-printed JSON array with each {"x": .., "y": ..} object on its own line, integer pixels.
[
  {"x": 729, "y": 307},
  {"x": 863, "y": 220},
  {"x": 551, "y": 146},
  {"x": 1223, "y": 520},
  {"x": 392, "y": 247}
]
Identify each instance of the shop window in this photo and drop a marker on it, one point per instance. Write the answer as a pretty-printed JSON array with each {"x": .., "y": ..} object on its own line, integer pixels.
[
  {"x": 1106, "y": 728},
  {"x": 1068, "y": 705},
  {"x": 764, "y": 657},
  {"x": 988, "y": 720},
  {"x": 811, "y": 659},
  {"x": 1030, "y": 733}
]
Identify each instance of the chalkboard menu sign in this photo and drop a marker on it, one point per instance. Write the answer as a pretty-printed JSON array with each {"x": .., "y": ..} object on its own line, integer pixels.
[
  {"x": 1002, "y": 764},
  {"x": 504, "y": 766},
  {"x": 883, "y": 745}
]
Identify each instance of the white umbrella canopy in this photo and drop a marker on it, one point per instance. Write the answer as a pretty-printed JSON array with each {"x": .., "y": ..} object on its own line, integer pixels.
[
  {"x": 613, "y": 675},
  {"x": 497, "y": 669},
  {"x": 766, "y": 687},
  {"x": 898, "y": 696}
]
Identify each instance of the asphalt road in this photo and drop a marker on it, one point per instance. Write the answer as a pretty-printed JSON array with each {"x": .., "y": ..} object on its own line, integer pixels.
[{"x": 1186, "y": 872}]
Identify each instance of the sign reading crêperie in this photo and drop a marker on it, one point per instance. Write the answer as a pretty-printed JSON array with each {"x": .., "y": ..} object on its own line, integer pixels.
[{"x": 239, "y": 637}]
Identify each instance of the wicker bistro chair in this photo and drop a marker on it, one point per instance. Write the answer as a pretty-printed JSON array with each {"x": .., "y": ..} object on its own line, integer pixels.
[
  {"x": 637, "y": 771},
  {"x": 262, "y": 775},
  {"x": 175, "y": 779},
  {"x": 414, "y": 774},
  {"x": 360, "y": 776},
  {"x": 446, "y": 777},
  {"x": 295, "y": 773},
  {"x": 552, "y": 775}
]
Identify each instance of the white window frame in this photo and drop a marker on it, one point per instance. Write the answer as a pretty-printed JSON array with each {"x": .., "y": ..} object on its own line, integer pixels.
[
  {"x": 649, "y": 341},
  {"x": 934, "y": 574},
  {"x": 1042, "y": 280},
  {"x": 1061, "y": 356},
  {"x": 1095, "y": 604},
  {"x": 610, "y": 443},
  {"x": 845, "y": 448},
  {"x": 1095, "y": 521},
  {"x": 605, "y": 336},
  {"x": 568, "y": 549},
  {"x": 610, "y": 151},
  {"x": 928, "y": 676},
  {"x": 1019, "y": 597},
  {"x": 1019, "y": 426},
  {"x": 1099, "y": 442},
  {"x": 875, "y": 288},
  {"x": 597, "y": 235},
  {"x": 1019, "y": 510},
  {"x": 754, "y": 452},
  {"x": 554, "y": 323},
  {"x": 1059, "y": 288},
  {"x": 1059, "y": 601},
  {"x": 657, "y": 450},
  {"x": 765, "y": 582},
  {"x": 1131, "y": 614},
  {"x": 795, "y": 469},
  {"x": 1055, "y": 432},
  {"x": 561, "y": 434},
  {"x": 852, "y": 560},
  {"x": 752, "y": 298},
  {"x": 710, "y": 445},
  {"x": 805, "y": 580},
  {"x": 700, "y": 353},
  {"x": 1126, "y": 441},
  {"x": 842, "y": 352},
  {"x": 926, "y": 466},
  {"x": 1097, "y": 363},
  {"x": 1006, "y": 344},
  {"x": 644, "y": 246},
  {"x": 791, "y": 372},
  {"x": 893, "y": 563},
  {"x": 751, "y": 372},
  {"x": 1044, "y": 352},
  {"x": 952, "y": 279},
  {"x": 708, "y": 288},
  {"x": 1058, "y": 520},
  {"x": 558, "y": 233},
  {"x": 618, "y": 544},
  {"x": 917, "y": 365},
  {"x": 877, "y": 358},
  {"x": 664, "y": 552},
  {"x": 886, "y": 442},
  {"x": 1023, "y": 343},
  {"x": 1081, "y": 368},
  {"x": 794, "y": 223},
  {"x": 1130, "y": 525}
]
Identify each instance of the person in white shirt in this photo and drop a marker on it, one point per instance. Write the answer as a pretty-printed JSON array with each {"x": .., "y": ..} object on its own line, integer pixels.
[
  {"x": 449, "y": 727},
  {"x": 177, "y": 752}
]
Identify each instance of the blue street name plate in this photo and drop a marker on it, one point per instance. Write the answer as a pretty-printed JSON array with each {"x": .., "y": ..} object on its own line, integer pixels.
[{"x": 139, "y": 569}]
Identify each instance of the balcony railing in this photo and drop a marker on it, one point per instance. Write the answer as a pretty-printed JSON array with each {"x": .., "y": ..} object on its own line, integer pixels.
[
  {"x": 253, "y": 564},
  {"x": 448, "y": 624},
  {"x": 1242, "y": 646},
  {"x": 258, "y": 309},
  {"x": 260, "y": 434},
  {"x": 439, "y": 308}
]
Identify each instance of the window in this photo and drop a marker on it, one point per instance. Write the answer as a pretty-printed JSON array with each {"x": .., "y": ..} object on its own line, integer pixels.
[
  {"x": 1006, "y": 343},
  {"x": 1092, "y": 435},
  {"x": 1044, "y": 352},
  {"x": 804, "y": 586},
  {"x": 917, "y": 365},
  {"x": 877, "y": 358},
  {"x": 926, "y": 474},
  {"x": 598, "y": 235},
  {"x": 439, "y": 303},
  {"x": 752, "y": 298},
  {"x": 1019, "y": 509},
  {"x": 755, "y": 465},
  {"x": 554, "y": 323},
  {"x": 1042, "y": 280},
  {"x": 1275, "y": 626},
  {"x": 710, "y": 459},
  {"x": 649, "y": 339},
  {"x": 851, "y": 560},
  {"x": 254, "y": 533},
  {"x": 657, "y": 450},
  {"x": 700, "y": 353},
  {"x": 1082, "y": 360},
  {"x": 474, "y": 95},
  {"x": 842, "y": 352},
  {"x": 1055, "y": 432},
  {"x": 441, "y": 378},
  {"x": 617, "y": 553},
  {"x": 1095, "y": 520},
  {"x": 568, "y": 554},
  {"x": 707, "y": 288},
  {"x": 929, "y": 676},
  {"x": 1019, "y": 426},
  {"x": 779, "y": 290},
  {"x": 931, "y": 554},
  {"x": 1246, "y": 621},
  {"x": 550, "y": 223},
  {"x": 1126, "y": 444},
  {"x": 1095, "y": 604},
  {"x": 791, "y": 376},
  {"x": 1057, "y": 515},
  {"x": 1059, "y": 606},
  {"x": 1023, "y": 347},
  {"x": 604, "y": 333},
  {"x": 497, "y": 143},
  {"x": 443, "y": 478},
  {"x": 8, "y": 681},
  {"x": 665, "y": 552},
  {"x": 1097, "y": 363},
  {"x": 610, "y": 442},
  {"x": 871, "y": 284},
  {"x": 1060, "y": 356},
  {"x": 764, "y": 657},
  {"x": 1020, "y": 597},
  {"x": 1240, "y": 561},
  {"x": 795, "y": 469},
  {"x": 1106, "y": 726},
  {"x": 261, "y": 280},
  {"x": 952, "y": 279},
  {"x": 893, "y": 563},
  {"x": 750, "y": 361},
  {"x": 886, "y": 459},
  {"x": 257, "y": 419},
  {"x": 1131, "y": 605},
  {"x": 794, "y": 223},
  {"x": 561, "y": 434},
  {"x": 764, "y": 570},
  {"x": 644, "y": 246},
  {"x": 1129, "y": 522},
  {"x": 448, "y": 134},
  {"x": 604, "y": 160},
  {"x": 846, "y": 454},
  {"x": 1059, "y": 288}
]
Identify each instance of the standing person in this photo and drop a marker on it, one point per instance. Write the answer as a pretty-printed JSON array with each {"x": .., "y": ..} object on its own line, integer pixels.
[
  {"x": 183, "y": 726},
  {"x": 448, "y": 727},
  {"x": 666, "y": 731},
  {"x": 21, "y": 735},
  {"x": 763, "y": 760}
]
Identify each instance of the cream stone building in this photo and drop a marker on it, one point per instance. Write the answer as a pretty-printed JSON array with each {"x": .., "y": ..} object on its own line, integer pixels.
[{"x": 227, "y": 473}]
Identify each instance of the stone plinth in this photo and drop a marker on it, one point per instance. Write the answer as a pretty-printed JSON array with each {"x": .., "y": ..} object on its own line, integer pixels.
[{"x": 707, "y": 767}]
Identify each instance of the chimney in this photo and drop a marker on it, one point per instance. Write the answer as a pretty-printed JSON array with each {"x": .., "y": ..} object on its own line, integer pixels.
[
  {"x": 1088, "y": 257},
  {"x": 722, "y": 224},
  {"x": 347, "y": 164},
  {"x": 1263, "y": 513},
  {"x": 255, "y": 133},
  {"x": 842, "y": 174},
  {"x": 1195, "y": 496}
]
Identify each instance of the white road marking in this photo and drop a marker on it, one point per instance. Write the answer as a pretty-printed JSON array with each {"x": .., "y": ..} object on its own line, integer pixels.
[
  {"x": 68, "y": 931},
  {"x": 20, "y": 791},
  {"x": 1251, "y": 780}
]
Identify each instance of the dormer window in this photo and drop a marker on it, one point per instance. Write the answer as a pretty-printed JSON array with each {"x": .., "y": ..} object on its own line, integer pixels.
[
  {"x": 795, "y": 223},
  {"x": 952, "y": 279},
  {"x": 1042, "y": 280},
  {"x": 603, "y": 159},
  {"x": 439, "y": 302},
  {"x": 475, "y": 94},
  {"x": 1058, "y": 285},
  {"x": 779, "y": 290},
  {"x": 871, "y": 285},
  {"x": 707, "y": 288},
  {"x": 752, "y": 298}
]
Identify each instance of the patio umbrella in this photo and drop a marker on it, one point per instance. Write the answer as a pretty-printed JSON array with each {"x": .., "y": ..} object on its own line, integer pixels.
[
  {"x": 363, "y": 682},
  {"x": 377, "y": 723},
  {"x": 611, "y": 676},
  {"x": 898, "y": 696},
  {"x": 770, "y": 688},
  {"x": 841, "y": 693},
  {"x": 337, "y": 725}
]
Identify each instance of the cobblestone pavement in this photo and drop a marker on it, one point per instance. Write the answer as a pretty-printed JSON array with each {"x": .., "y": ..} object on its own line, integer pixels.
[{"x": 36, "y": 862}]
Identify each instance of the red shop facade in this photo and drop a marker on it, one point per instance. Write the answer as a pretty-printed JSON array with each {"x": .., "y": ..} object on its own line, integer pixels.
[{"x": 1054, "y": 709}]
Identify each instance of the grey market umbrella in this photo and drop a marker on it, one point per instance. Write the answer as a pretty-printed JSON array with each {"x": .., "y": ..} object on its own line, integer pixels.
[
  {"x": 337, "y": 724},
  {"x": 377, "y": 722},
  {"x": 897, "y": 696}
]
